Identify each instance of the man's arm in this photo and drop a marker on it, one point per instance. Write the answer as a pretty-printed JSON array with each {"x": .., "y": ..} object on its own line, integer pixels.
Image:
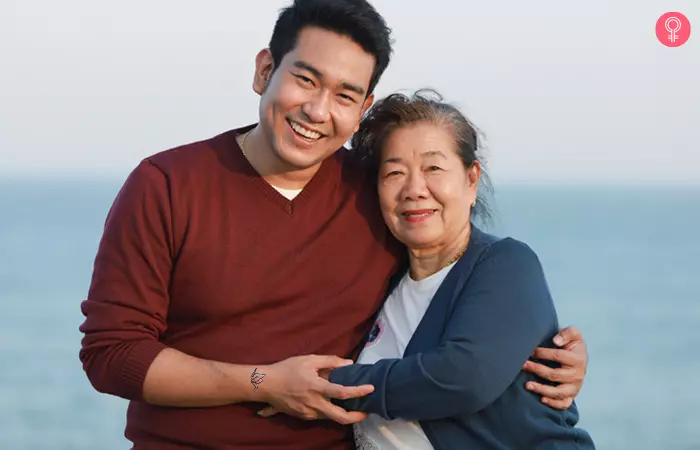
[
  {"x": 294, "y": 385},
  {"x": 127, "y": 304},
  {"x": 126, "y": 312}
]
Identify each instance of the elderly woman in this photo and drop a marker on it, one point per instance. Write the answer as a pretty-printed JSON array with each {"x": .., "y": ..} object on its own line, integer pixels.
[
  {"x": 447, "y": 349},
  {"x": 466, "y": 313}
]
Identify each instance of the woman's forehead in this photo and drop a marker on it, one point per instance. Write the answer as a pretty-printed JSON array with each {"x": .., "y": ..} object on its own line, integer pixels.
[{"x": 423, "y": 140}]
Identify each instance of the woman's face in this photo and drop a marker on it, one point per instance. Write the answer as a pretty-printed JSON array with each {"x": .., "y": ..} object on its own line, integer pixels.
[{"x": 425, "y": 191}]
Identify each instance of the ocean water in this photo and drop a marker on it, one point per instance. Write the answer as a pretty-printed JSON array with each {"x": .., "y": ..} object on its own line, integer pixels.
[{"x": 623, "y": 264}]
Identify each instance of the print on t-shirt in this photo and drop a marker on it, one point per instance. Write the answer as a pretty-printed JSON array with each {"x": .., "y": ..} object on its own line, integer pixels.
[{"x": 376, "y": 332}]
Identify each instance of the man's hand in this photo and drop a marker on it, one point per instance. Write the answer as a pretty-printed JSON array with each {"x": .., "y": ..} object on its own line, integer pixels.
[
  {"x": 298, "y": 386},
  {"x": 572, "y": 357}
]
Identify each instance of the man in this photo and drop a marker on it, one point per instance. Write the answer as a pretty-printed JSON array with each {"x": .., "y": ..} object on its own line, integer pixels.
[{"x": 227, "y": 265}]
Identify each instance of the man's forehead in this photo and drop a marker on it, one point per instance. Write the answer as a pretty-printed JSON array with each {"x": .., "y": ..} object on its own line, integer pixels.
[{"x": 333, "y": 56}]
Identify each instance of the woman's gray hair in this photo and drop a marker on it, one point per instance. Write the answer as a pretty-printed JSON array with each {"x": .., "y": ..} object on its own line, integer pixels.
[{"x": 426, "y": 105}]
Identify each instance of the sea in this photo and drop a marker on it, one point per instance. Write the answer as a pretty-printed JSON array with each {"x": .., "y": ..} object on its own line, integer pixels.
[{"x": 623, "y": 264}]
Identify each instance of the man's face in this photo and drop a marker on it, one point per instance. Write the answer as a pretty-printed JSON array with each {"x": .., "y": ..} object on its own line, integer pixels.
[{"x": 313, "y": 102}]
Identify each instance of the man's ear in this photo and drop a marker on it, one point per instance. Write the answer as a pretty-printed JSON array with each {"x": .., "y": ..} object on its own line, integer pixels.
[
  {"x": 365, "y": 106},
  {"x": 264, "y": 67}
]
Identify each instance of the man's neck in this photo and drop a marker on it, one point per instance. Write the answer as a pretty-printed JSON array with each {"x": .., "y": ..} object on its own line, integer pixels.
[{"x": 260, "y": 155}]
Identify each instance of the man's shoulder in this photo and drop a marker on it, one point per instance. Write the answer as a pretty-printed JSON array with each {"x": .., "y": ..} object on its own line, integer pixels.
[
  {"x": 354, "y": 170},
  {"x": 198, "y": 154}
]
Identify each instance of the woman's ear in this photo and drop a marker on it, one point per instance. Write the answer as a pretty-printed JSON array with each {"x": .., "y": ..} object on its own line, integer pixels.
[
  {"x": 474, "y": 174},
  {"x": 264, "y": 67}
]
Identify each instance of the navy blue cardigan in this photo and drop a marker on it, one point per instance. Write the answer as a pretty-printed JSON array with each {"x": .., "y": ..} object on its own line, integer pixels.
[{"x": 460, "y": 375}]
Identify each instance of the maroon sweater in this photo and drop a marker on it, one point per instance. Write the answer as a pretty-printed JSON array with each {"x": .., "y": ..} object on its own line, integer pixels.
[{"x": 200, "y": 254}]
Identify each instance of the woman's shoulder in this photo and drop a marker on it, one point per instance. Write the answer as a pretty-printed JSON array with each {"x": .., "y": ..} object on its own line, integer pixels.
[
  {"x": 506, "y": 251},
  {"x": 506, "y": 265}
]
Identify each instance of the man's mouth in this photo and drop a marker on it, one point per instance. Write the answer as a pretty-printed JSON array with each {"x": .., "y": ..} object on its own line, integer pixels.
[{"x": 304, "y": 132}]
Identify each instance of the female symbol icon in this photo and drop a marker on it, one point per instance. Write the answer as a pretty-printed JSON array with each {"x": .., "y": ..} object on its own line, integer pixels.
[
  {"x": 673, "y": 29},
  {"x": 673, "y": 25}
]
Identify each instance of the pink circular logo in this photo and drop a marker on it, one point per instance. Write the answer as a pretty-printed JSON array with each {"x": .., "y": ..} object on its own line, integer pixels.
[{"x": 673, "y": 29}]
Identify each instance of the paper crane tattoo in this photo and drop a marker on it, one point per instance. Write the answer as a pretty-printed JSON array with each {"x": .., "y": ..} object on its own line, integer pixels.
[{"x": 256, "y": 378}]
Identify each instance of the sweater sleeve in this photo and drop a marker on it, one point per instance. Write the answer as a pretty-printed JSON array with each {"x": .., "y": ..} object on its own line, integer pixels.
[
  {"x": 503, "y": 312},
  {"x": 126, "y": 308}
]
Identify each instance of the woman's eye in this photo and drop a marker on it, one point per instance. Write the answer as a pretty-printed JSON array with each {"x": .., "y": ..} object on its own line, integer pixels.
[{"x": 434, "y": 168}]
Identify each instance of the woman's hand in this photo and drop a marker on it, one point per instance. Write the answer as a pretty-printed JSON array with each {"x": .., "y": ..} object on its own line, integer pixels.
[{"x": 572, "y": 356}]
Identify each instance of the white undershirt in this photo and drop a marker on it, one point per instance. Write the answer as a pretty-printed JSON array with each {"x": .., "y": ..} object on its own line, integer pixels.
[
  {"x": 395, "y": 324},
  {"x": 288, "y": 193}
]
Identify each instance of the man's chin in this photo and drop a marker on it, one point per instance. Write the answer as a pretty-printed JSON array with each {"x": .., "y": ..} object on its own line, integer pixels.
[
  {"x": 298, "y": 164},
  {"x": 301, "y": 159}
]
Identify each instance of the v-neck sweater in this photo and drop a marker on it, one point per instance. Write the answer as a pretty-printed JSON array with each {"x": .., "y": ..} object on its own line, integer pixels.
[{"x": 201, "y": 254}]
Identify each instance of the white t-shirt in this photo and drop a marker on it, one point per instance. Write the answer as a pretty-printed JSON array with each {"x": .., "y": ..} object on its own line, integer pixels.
[
  {"x": 288, "y": 193},
  {"x": 395, "y": 324}
]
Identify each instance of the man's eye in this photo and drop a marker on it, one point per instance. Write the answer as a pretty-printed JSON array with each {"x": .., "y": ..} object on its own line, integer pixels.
[{"x": 304, "y": 79}]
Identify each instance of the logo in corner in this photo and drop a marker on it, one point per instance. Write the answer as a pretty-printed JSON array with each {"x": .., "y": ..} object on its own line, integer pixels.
[{"x": 673, "y": 29}]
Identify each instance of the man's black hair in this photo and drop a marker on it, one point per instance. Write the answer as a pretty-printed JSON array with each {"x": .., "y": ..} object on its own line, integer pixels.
[{"x": 356, "y": 19}]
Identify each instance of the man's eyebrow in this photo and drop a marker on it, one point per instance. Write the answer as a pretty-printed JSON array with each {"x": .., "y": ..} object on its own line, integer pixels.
[
  {"x": 391, "y": 160},
  {"x": 317, "y": 73},
  {"x": 309, "y": 68},
  {"x": 353, "y": 87}
]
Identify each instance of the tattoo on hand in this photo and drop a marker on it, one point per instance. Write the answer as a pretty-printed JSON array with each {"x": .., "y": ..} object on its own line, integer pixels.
[{"x": 256, "y": 378}]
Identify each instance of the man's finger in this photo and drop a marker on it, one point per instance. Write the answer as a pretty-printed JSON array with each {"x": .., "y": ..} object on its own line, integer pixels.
[
  {"x": 332, "y": 390},
  {"x": 329, "y": 362},
  {"x": 562, "y": 375},
  {"x": 563, "y": 357},
  {"x": 558, "y": 404},
  {"x": 268, "y": 411},
  {"x": 567, "y": 336},
  {"x": 560, "y": 392},
  {"x": 338, "y": 414}
]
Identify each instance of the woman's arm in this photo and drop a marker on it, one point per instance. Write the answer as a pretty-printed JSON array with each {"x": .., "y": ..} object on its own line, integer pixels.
[{"x": 504, "y": 311}]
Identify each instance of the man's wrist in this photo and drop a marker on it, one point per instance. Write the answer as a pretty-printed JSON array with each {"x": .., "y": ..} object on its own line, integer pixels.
[
  {"x": 259, "y": 384},
  {"x": 252, "y": 383}
]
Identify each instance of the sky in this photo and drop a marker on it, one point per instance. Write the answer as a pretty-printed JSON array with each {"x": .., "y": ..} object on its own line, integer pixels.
[{"x": 564, "y": 92}]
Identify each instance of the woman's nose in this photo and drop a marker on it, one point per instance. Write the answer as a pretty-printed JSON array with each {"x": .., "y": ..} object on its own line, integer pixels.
[{"x": 416, "y": 187}]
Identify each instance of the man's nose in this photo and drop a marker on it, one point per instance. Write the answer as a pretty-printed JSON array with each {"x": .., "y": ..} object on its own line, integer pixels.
[{"x": 317, "y": 109}]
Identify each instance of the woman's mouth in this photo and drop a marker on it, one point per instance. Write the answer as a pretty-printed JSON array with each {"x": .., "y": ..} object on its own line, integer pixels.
[{"x": 418, "y": 215}]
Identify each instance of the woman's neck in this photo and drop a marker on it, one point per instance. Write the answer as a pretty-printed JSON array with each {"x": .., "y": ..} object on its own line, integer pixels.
[
  {"x": 271, "y": 168},
  {"x": 426, "y": 262}
]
